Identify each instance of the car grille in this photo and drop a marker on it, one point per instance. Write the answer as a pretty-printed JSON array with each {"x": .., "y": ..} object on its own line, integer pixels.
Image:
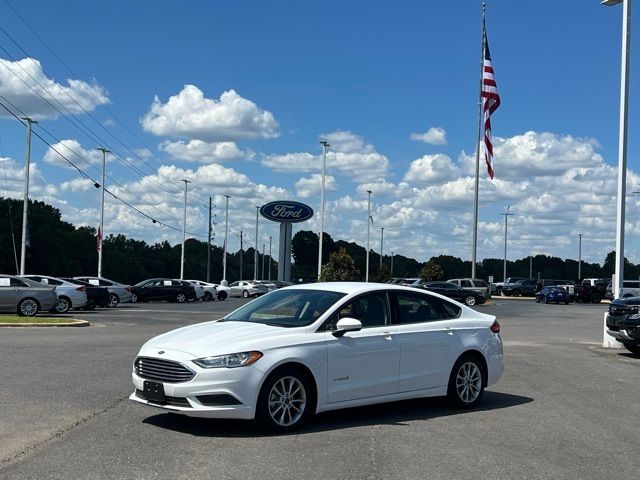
[
  {"x": 162, "y": 370},
  {"x": 621, "y": 309}
]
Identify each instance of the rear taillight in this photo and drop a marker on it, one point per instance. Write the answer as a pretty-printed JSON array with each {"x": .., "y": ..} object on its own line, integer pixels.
[
  {"x": 128, "y": 289},
  {"x": 495, "y": 327},
  {"x": 80, "y": 289}
]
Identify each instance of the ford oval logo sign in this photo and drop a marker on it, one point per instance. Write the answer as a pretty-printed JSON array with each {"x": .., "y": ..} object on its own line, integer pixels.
[{"x": 286, "y": 211}]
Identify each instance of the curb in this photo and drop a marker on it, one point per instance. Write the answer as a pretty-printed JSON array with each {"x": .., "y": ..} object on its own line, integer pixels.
[{"x": 75, "y": 323}]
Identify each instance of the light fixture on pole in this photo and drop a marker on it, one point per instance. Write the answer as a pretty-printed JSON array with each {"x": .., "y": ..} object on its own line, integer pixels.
[
  {"x": 369, "y": 221},
  {"x": 226, "y": 242},
  {"x": 622, "y": 143},
  {"x": 321, "y": 236},
  {"x": 184, "y": 229},
  {"x": 579, "y": 256},
  {"x": 255, "y": 252},
  {"x": 506, "y": 218},
  {"x": 101, "y": 230},
  {"x": 25, "y": 207},
  {"x": 269, "y": 258}
]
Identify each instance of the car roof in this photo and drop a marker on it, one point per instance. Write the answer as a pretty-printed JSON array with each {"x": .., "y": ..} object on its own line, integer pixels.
[{"x": 349, "y": 288}]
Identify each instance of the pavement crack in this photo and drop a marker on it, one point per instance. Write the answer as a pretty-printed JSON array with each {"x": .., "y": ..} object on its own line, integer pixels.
[{"x": 60, "y": 432}]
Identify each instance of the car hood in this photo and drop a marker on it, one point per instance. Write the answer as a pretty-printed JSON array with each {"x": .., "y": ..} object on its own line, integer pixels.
[
  {"x": 626, "y": 301},
  {"x": 219, "y": 337}
]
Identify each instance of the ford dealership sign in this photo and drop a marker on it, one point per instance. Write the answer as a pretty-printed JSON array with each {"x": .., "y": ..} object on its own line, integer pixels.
[{"x": 284, "y": 211}]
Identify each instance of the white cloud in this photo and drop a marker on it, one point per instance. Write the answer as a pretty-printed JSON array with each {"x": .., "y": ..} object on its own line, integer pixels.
[
  {"x": 25, "y": 85},
  {"x": 348, "y": 154},
  {"x": 204, "y": 152},
  {"x": 306, "y": 187},
  {"x": 12, "y": 181},
  {"x": 73, "y": 151},
  {"x": 432, "y": 168},
  {"x": 77, "y": 185},
  {"x": 189, "y": 114},
  {"x": 434, "y": 136}
]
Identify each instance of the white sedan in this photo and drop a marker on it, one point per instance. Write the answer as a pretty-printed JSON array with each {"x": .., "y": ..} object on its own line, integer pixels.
[{"x": 312, "y": 348}]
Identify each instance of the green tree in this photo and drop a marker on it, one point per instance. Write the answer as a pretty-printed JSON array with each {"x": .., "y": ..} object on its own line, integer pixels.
[
  {"x": 382, "y": 275},
  {"x": 340, "y": 268},
  {"x": 431, "y": 271}
]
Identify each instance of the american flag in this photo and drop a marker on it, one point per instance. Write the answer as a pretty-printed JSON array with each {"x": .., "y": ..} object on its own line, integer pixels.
[{"x": 490, "y": 102}]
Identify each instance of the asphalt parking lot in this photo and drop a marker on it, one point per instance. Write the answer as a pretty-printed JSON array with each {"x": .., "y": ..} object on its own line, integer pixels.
[{"x": 564, "y": 408}]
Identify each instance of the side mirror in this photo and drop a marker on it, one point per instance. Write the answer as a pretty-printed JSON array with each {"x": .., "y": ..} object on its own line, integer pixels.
[{"x": 345, "y": 325}]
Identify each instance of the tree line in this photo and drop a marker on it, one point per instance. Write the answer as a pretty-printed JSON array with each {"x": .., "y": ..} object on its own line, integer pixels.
[{"x": 60, "y": 248}]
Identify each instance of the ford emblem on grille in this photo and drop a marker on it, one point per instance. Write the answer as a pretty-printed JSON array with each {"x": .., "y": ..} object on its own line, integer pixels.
[
  {"x": 286, "y": 211},
  {"x": 160, "y": 352}
]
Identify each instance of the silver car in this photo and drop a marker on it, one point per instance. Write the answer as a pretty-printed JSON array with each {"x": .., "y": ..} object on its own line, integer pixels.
[
  {"x": 69, "y": 294},
  {"x": 246, "y": 289},
  {"x": 119, "y": 292},
  {"x": 209, "y": 289},
  {"x": 25, "y": 297}
]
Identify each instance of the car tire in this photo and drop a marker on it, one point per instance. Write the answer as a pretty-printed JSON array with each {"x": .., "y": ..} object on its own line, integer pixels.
[
  {"x": 208, "y": 296},
  {"x": 134, "y": 298},
  {"x": 285, "y": 401},
  {"x": 181, "y": 298},
  {"x": 516, "y": 293},
  {"x": 222, "y": 296},
  {"x": 89, "y": 305},
  {"x": 567, "y": 302},
  {"x": 114, "y": 300},
  {"x": 537, "y": 299},
  {"x": 63, "y": 305},
  {"x": 466, "y": 382},
  {"x": 28, "y": 307},
  {"x": 245, "y": 293},
  {"x": 633, "y": 348},
  {"x": 596, "y": 298},
  {"x": 546, "y": 300},
  {"x": 470, "y": 301}
]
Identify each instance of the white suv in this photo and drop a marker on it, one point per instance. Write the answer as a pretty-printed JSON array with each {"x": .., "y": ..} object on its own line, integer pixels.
[{"x": 475, "y": 284}]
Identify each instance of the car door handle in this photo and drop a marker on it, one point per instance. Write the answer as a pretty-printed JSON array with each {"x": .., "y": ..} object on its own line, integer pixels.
[
  {"x": 448, "y": 330},
  {"x": 387, "y": 335}
]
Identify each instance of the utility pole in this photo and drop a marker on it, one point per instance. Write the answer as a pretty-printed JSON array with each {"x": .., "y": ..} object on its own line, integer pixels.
[
  {"x": 263, "y": 247},
  {"x": 255, "y": 252},
  {"x": 392, "y": 264},
  {"x": 381, "y": 245},
  {"x": 184, "y": 229},
  {"x": 366, "y": 276},
  {"x": 321, "y": 237},
  {"x": 579, "y": 256},
  {"x": 226, "y": 242},
  {"x": 506, "y": 218},
  {"x": 101, "y": 232},
  {"x": 269, "y": 258},
  {"x": 25, "y": 207},
  {"x": 209, "y": 245},
  {"x": 530, "y": 266},
  {"x": 241, "y": 256}
]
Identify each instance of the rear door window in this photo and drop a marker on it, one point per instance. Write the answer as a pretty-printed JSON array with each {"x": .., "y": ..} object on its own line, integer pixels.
[{"x": 418, "y": 308}]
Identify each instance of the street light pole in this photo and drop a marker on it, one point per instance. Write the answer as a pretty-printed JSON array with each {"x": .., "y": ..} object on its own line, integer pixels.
[
  {"x": 101, "y": 232},
  {"x": 255, "y": 252},
  {"x": 269, "y": 258},
  {"x": 184, "y": 229},
  {"x": 392, "y": 264},
  {"x": 579, "y": 256},
  {"x": 622, "y": 142},
  {"x": 366, "y": 276},
  {"x": 25, "y": 206},
  {"x": 506, "y": 217},
  {"x": 226, "y": 242},
  {"x": 263, "y": 247},
  {"x": 381, "y": 245},
  {"x": 241, "y": 255},
  {"x": 321, "y": 237},
  {"x": 209, "y": 245}
]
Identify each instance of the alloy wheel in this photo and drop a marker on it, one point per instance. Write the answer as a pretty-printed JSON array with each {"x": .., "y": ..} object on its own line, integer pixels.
[
  {"x": 28, "y": 307},
  {"x": 113, "y": 300},
  {"x": 287, "y": 401},
  {"x": 62, "y": 305},
  {"x": 468, "y": 382},
  {"x": 470, "y": 301},
  {"x": 181, "y": 298}
]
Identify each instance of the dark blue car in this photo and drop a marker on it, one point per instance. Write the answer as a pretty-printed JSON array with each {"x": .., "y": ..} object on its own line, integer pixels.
[{"x": 553, "y": 295}]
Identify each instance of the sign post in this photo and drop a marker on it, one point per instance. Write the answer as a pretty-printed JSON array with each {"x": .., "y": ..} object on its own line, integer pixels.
[{"x": 286, "y": 213}]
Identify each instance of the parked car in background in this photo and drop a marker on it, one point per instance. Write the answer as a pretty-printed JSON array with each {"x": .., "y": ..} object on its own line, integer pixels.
[
  {"x": 410, "y": 282},
  {"x": 223, "y": 292},
  {"x": 25, "y": 297},
  {"x": 552, "y": 295},
  {"x": 591, "y": 290},
  {"x": 69, "y": 294},
  {"x": 395, "y": 280},
  {"x": 623, "y": 322},
  {"x": 246, "y": 289},
  {"x": 119, "y": 292},
  {"x": 630, "y": 288},
  {"x": 210, "y": 290},
  {"x": 608, "y": 294},
  {"x": 527, "y": 287},
  {"x": 312, "y": 348},
  {"x": 451, "y": 290},
  {"x": 198, "y": 289},
  {"x": 96, "y": 296},
  {"x": 271, "y": 286},
  {"x": 163, "y": 289},
  {"x": 281, "y": 284},
  {"x": 475, "y": 284},
  {"x": 496, "y": 287}
]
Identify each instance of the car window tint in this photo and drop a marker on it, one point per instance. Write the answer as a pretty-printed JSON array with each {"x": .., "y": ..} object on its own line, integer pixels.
[
  {"x": 465, "y": 283},
  {"x": 14, "y": 282},
  {"x": 104, "y": 283},
  {"x": 481, "y": 283},
  {"x": 370, "y": 309},
  {"x": 416, "y": 308},
  {"x": 53, "y": 281}
]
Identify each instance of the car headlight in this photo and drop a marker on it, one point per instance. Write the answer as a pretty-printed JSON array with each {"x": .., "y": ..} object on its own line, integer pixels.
[{"x": 231, "y": 360}]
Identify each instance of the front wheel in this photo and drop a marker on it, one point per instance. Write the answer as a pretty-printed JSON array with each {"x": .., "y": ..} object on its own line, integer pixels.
[
  {"x": 28, "y": 307},
  {"x": 516, "y": 293},
  {"x": 222, "y": 296},
  {"x": 114, "y": 300},
  {"x": 245, "y": 294},
  {"x": 134, "y": 298},
  {"x": 470, "y": 301},
  {"x": 595, "y": 298},
  {"x": 62, "y": 305},
  {"x": 633, "y": 348},
  {"x": 285, "y": 400},
  {"x": 181, "y": 298},
  {"x": 466, "y": 383}
]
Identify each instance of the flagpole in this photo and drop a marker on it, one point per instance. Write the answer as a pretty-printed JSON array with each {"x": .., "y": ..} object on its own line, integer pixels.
[
  {"x": 101, "y": 228},
  {"x": 477, "y": 181}
]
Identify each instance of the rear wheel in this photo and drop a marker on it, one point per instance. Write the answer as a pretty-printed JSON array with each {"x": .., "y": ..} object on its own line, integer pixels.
[
  {"x": 181, "y": 298},
  {"x": 114, "y": 300},
  {"x": 470, "y": 300},
  {"x": 516, "y": 293},
  {"x": 633, "y": 348},
  {"x": 566, "y": 302},
  {"x": 134, "y": 298},
  {"x": 285, "y": 400},
  {"x": 595, "y": 298},
  {"x": 546, "y": 300},
  {"x": 62, "y": 305},
  {"x": 28, "y": 307},
  {"x": 466, "y": 383},
  {"x": 222, "y": 295},
  {"x": 208, "y": 296},
  {"x": 245, "y": 294}
]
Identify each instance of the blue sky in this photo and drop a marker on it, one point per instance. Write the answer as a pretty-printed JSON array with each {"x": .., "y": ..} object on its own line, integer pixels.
[{"x": 366, "y": 74}]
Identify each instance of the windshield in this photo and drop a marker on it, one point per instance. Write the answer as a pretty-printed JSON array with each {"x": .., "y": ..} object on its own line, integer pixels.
[{"x": 286, "y": 308}]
